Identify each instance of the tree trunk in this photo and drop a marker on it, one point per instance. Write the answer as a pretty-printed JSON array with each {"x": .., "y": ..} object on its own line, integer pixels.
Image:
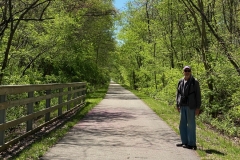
[
  {"x": 204, "y": 44},
  {"x": 134, "y": 81},
  {"x": 220, "y": 39},
  {"x": 204, "y": 51}
]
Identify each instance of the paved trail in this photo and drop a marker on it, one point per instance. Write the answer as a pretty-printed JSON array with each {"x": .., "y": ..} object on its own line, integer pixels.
[{"x": 120, "y": 127}]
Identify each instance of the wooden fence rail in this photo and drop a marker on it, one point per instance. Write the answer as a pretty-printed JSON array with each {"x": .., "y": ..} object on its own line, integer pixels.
[{"x": 28, "y": 108}]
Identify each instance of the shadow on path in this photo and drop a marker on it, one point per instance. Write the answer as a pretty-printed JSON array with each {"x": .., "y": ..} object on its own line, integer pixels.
[{"x": 120, "y": 127}]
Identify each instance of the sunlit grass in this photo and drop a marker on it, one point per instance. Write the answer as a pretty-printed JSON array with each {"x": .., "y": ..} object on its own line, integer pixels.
[
  {"x": 211, "y": 145},
  {"x": 40, "y": 147}
]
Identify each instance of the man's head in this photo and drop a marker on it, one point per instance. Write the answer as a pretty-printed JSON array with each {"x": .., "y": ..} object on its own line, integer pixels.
[{"x": 187, "y": 72}]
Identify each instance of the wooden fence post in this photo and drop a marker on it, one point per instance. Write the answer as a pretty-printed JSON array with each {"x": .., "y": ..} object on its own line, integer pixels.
[
  {"x": 84, "y": 92},
  {"x": 74, "y": 96},
  {"x": 2, "y": 118},
  {"x": 68, "y": 99},
  {"x": 59, "y": 102},
  {"x": 48, "y": 105},
  {"x": 29, "y": 111},
  {"x": 79, "y": 94}
]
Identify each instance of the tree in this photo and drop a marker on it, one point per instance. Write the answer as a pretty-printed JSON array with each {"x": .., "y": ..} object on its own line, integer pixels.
[{"x": 14, "y": 12}]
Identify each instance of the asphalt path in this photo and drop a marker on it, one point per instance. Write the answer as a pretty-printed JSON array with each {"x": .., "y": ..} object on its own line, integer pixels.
[{"x": 120, "y": 127}]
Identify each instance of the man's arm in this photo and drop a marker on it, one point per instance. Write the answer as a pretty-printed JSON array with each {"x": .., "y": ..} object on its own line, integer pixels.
[{"x": 177, "y": 95}]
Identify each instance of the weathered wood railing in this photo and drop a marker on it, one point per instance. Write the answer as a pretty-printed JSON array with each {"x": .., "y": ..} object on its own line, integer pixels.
[{"x": 40, "y": 104}]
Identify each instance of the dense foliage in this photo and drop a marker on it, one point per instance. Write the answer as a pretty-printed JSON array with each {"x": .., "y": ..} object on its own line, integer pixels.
[
  {"x": 52, "y": 41},
  {"x": 48, "y": 41},
  {"x": 158, "y": 38}
]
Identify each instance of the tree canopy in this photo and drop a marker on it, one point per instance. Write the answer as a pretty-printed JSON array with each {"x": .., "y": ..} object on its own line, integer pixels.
[
  {"x": 159, "y": 37},
  {"x": 44, "y": 41},
  {"x": 49, "y": 41}
]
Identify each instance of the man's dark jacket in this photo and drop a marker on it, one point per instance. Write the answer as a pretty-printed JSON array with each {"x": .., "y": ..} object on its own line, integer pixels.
[{"x": 193, "y": 93}]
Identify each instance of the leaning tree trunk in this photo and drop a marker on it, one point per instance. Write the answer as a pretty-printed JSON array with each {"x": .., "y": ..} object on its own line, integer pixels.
[
  {"x": 220, "y": 39},
  {"x": 204, "y": 44}
]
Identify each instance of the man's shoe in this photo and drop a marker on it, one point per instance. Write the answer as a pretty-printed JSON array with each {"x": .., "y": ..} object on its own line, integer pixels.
[
  {"x": 190, "y": 147},
  {"x": 180, "y": 145}
]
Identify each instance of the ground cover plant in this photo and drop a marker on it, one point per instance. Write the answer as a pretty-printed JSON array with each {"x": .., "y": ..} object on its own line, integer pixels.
[
  {"x": 42, "y": 143},
  {"x": 211, "y": 143}
]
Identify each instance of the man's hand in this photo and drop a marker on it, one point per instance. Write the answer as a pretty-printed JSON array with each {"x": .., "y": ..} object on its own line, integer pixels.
[
  {"x": 178, "y": 108},
  {"x": 197, "y": 111}
]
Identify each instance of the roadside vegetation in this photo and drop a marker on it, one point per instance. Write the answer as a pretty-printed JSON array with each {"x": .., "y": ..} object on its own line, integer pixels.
[
  {"x": 212, "y": 145},
  {"x": 47, "y": 41},
  {"x": 160, "y": 37},
  {"x": 41, "y": 145}
]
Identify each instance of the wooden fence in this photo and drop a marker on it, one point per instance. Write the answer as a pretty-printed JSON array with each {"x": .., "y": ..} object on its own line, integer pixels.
[{"x": 25, "y": 109}]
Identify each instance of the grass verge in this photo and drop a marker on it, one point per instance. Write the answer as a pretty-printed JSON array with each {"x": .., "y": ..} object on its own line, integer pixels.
[
  {"x": 211, "y": 145},
  {"x": 40, "y": 147}
]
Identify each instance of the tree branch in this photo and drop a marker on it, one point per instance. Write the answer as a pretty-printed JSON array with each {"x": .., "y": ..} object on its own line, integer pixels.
[{"x": 219, "y": 39}]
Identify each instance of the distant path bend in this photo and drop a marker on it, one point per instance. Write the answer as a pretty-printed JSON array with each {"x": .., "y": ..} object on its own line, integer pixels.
[{"x": 120, "y": 127}]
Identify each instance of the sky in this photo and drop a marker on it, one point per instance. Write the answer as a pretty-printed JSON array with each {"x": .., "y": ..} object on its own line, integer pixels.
[{"x": 120, "y": 4}]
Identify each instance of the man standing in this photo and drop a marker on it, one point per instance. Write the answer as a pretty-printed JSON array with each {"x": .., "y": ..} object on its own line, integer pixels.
[{"x": 188, "y": 99}]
